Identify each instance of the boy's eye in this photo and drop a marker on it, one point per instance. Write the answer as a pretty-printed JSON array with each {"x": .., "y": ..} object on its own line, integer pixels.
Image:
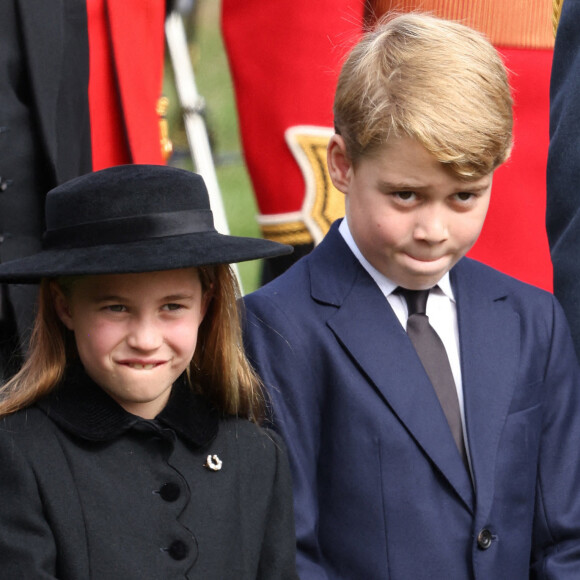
[
  {"x": 116, "y": 308},
  {"x": 405, "y": 195},
  {"x": 464, "y": 196}
]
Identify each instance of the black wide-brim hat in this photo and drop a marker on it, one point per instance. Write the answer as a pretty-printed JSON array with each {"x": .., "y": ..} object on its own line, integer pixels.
[{"x": 129, "y": 219}]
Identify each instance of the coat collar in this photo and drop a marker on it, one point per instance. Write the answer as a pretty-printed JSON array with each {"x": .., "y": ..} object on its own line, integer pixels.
[{"x": 78, "y": 405}]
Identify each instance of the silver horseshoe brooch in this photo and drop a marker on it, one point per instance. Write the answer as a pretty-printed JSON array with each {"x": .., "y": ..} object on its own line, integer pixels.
[{"x": 213, "y": 462}]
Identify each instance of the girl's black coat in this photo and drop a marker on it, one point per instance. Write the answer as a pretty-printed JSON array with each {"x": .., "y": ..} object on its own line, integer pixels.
[{"x": 89, "y": 491}]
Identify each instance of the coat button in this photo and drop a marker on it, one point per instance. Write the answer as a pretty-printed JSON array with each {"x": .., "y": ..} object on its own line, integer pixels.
[
  {"x": 484, "y": 539},
  {"x": 169, "y": 491},
  {"x": 178, "y": 550}
]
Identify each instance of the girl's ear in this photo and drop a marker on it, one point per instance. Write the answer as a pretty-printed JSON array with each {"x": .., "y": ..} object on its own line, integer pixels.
[
  {"x": 339, "y": 165},
  {"x": 61, "y": 305}
]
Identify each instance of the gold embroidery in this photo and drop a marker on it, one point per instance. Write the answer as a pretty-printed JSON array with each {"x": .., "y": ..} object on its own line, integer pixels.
[
  {"x": 327, "y": 203},
  {"x": 508, "y": 23},
  {"x": 322, "y": 203},
  {"x": 165, "y": 141},
  {"x": 294, "y": 233},
  {"x": 557, "y": 5}
]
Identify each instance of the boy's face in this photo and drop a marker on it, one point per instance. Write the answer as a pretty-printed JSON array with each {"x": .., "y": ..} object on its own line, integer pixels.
[
  {"x": 135, "y": 333},
  {"x": 409, "y": 216}
]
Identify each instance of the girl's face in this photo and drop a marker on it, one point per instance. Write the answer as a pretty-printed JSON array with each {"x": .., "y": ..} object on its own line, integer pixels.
[{"x": 135, "y": 333}]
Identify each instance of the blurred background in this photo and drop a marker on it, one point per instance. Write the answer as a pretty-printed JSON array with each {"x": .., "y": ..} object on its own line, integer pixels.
[{"x": 212, "y": 76}]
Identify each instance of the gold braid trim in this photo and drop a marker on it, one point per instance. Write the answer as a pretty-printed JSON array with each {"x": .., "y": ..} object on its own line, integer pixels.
[
  {"x": 557, "y": 10},
  {"x": 507, "y": 23},
  {"x": 293, "y": 233}
]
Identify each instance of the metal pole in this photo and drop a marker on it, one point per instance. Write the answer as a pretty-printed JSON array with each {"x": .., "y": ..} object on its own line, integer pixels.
[{"x": 192, "y": 105}]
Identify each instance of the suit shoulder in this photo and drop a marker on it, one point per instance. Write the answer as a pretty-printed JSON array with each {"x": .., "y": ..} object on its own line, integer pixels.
[
  {"x": 286, "y": 284},
  {"x": 488, "y": 278}
]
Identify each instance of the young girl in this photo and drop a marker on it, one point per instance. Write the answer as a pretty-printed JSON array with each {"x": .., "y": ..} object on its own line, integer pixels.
[{"x": 125, "y": 446}]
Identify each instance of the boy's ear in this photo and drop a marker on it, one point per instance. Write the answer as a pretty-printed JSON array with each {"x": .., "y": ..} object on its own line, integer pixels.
[
  {"x": 339, "y": 165},
  {"x": 61, "y": 305}
]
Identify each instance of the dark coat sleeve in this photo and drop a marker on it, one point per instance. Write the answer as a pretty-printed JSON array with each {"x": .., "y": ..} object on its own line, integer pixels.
[
  {"x": 563, "y": 177},
  {"x": 27, "y": 544},
  {"x": 42, "y": 533}
]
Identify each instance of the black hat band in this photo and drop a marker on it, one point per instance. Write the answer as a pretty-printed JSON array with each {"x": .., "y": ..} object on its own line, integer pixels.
[{"x": 130, "y": 229}]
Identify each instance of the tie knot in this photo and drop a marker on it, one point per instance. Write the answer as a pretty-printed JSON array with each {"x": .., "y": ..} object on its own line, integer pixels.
[{"x": 416, "y": 300}]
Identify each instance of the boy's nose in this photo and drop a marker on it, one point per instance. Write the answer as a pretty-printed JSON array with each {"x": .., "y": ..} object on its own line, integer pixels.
[
  {"x": 144, "y": 335},
  {"x": 431, "y": 226}
]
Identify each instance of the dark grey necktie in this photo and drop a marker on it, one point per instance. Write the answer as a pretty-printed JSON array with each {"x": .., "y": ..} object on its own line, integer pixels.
[{"x": 433, "y": 355}]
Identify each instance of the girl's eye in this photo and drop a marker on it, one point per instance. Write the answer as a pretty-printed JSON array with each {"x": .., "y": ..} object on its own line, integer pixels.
[{"x": 173, "y": 307}]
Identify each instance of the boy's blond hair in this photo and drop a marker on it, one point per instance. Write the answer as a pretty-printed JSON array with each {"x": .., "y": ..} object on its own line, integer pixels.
[
  {"x": 434, "y": 80},
  {"x": 219, "y": 370}
]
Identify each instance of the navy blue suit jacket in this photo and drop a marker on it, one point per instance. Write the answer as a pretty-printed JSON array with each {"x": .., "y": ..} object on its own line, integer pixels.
[{"x": 380, "y": 489}]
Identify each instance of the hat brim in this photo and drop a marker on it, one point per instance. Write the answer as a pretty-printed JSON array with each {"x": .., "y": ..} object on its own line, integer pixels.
[{"x": 167, "y": 253}]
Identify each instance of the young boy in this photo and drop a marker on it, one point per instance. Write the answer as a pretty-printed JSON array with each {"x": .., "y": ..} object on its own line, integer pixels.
[{"x": 401, "y": 473}]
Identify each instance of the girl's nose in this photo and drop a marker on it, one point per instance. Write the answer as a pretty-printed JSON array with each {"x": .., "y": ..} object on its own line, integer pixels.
[{"x": 145, "y": 335}]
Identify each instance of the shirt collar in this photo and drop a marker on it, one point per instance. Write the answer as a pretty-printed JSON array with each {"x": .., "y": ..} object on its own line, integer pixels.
[
  {"x": 386, "y": 285},
  {"x": 78, "y": 405}
]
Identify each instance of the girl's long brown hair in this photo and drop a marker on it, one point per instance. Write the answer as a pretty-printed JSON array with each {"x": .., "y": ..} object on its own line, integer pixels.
[{"x": 219, "y": 370}]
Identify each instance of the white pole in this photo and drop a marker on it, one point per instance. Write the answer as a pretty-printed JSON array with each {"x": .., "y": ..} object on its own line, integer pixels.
[{"x": 192, "y": 105}]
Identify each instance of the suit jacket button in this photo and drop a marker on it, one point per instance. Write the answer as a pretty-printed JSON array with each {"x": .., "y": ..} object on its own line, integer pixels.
[
  {"x": 484, "y": 539},
  {"x": 169, "y": 491},
  {"x": 178, "y": 550}
]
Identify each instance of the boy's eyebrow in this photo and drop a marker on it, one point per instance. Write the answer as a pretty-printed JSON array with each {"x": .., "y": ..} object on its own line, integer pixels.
[
  {"x": 406, "y": 185},
  {"x": 382, "y": 184}
]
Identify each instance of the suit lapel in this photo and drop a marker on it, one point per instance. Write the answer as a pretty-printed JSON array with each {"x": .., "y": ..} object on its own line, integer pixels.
[
  {"x": 42, "y": 25},
  {"x": 374, "y": 337},
  {"x": 490, "y": 349}
]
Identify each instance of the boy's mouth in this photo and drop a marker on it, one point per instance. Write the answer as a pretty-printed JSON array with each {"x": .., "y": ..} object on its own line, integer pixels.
[{"x": 425, "y": 258}]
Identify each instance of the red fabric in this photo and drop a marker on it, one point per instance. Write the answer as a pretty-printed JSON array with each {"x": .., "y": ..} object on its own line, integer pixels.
[
  {"x": 285, "y": 59},
  {"x": 514, "y": 238},
  {"x": 126, "y": 43}
]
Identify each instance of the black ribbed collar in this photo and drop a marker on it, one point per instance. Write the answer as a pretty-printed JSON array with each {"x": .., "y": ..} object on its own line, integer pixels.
[{"x": 80, "y": 406}]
